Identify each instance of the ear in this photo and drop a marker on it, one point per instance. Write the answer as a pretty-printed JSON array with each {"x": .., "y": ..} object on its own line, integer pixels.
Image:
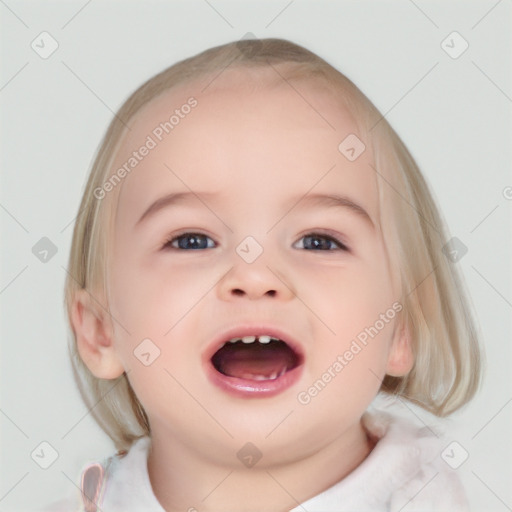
[
  {"x": 401, "y": 357},
  {"x": 94, "y": 336}
]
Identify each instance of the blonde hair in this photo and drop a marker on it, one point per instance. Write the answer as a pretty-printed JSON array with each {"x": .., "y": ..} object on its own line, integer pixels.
[{"x": 436, "y": 310}]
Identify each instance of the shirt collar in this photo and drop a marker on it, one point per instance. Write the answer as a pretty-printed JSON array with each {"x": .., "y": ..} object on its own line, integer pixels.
[{"x": 400, "y": 452}]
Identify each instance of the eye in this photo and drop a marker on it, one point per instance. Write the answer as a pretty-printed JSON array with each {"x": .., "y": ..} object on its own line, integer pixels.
[
  {"x": 190, "y": 241},
  {"x": 319, "y": 242}
]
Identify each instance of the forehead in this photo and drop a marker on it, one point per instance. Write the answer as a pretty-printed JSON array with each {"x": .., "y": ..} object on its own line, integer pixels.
[{"x": 244, "y": 135}]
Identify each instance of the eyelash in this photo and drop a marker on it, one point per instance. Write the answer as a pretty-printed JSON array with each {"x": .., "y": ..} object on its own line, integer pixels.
[
  {"x": 329, "y": 238},
  {"x": 341, "y": 246}
]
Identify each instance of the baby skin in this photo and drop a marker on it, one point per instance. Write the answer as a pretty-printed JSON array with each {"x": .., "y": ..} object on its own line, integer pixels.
[{"x": 247, "y": 223}]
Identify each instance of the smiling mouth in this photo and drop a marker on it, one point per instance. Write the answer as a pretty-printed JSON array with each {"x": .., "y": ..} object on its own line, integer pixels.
[{"x": 255, "y": 358}]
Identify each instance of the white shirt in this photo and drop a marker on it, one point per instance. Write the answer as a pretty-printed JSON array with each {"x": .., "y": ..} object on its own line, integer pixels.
[{"x": 404, "y": 472}]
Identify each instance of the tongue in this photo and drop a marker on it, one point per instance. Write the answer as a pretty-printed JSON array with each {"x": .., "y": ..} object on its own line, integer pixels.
[{"x": 254, "y": 361}]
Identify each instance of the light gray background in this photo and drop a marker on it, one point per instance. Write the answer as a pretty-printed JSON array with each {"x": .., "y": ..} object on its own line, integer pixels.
[{"x": 454, "y": 115}]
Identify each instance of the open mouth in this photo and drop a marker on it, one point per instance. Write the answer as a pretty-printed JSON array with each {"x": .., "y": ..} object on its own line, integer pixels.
[
  {"x": 255, "y": 358},
  {"x": 255, "y": 364}
]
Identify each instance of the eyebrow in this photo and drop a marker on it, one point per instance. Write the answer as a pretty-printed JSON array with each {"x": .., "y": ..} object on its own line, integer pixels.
[
  {"x": 336, "y": 201},
  {"x": 171, "y": 200},
  {"x": 325, "y": 200}
]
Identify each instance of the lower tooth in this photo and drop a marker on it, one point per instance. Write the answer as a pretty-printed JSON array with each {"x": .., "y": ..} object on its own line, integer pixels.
[{"x": 249, "y": 376}]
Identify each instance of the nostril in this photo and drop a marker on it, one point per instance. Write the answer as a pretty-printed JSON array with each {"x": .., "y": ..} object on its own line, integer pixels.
[{"x": 239, "y": 292}]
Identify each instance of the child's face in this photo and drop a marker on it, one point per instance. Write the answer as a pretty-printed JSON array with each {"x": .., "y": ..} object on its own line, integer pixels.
[{"x": 255, "y": 169}]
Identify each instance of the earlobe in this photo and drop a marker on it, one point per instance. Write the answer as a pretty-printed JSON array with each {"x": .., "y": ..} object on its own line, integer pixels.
[
  {"x": 401, "y": 356},
  {"x": 93, "y": 330}
]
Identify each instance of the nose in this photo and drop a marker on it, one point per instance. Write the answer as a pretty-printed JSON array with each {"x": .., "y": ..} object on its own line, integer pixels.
[{"x": 254, "y": 281}]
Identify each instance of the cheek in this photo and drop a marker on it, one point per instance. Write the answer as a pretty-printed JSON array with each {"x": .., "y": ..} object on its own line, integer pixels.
[
  {"x": 157, "y": 294},
  {"x": 346, "y": 368},
  {"x": 158, "y": 390},
  {"x": 342, "y": 389},
  {"x": 155, "y": 302},
  {"x": 355, "y": 306},
  {"x": 350, "y": 298}
]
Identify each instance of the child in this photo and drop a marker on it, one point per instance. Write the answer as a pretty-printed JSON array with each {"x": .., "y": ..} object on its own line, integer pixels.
[{"x": 256, "y": 256}]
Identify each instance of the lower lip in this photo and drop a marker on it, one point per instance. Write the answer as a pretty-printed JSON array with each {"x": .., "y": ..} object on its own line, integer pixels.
[{"x": 246, "y": 388}]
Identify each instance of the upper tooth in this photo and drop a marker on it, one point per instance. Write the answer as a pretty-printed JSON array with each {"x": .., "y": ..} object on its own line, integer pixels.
[{"x": 264, "y": 338}]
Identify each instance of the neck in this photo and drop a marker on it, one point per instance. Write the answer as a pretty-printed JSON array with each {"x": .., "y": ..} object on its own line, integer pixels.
[{"x": 185, "y": 480}]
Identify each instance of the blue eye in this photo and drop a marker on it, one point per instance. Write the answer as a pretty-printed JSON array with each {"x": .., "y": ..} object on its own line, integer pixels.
[
  {"x": 317, "y": 242},
  {"x": 310, "y": 242},
  {"x": 190, "y": 241}
]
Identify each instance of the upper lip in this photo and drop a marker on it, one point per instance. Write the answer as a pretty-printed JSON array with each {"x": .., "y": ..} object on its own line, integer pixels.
[{"x": 253, "y": 330}]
